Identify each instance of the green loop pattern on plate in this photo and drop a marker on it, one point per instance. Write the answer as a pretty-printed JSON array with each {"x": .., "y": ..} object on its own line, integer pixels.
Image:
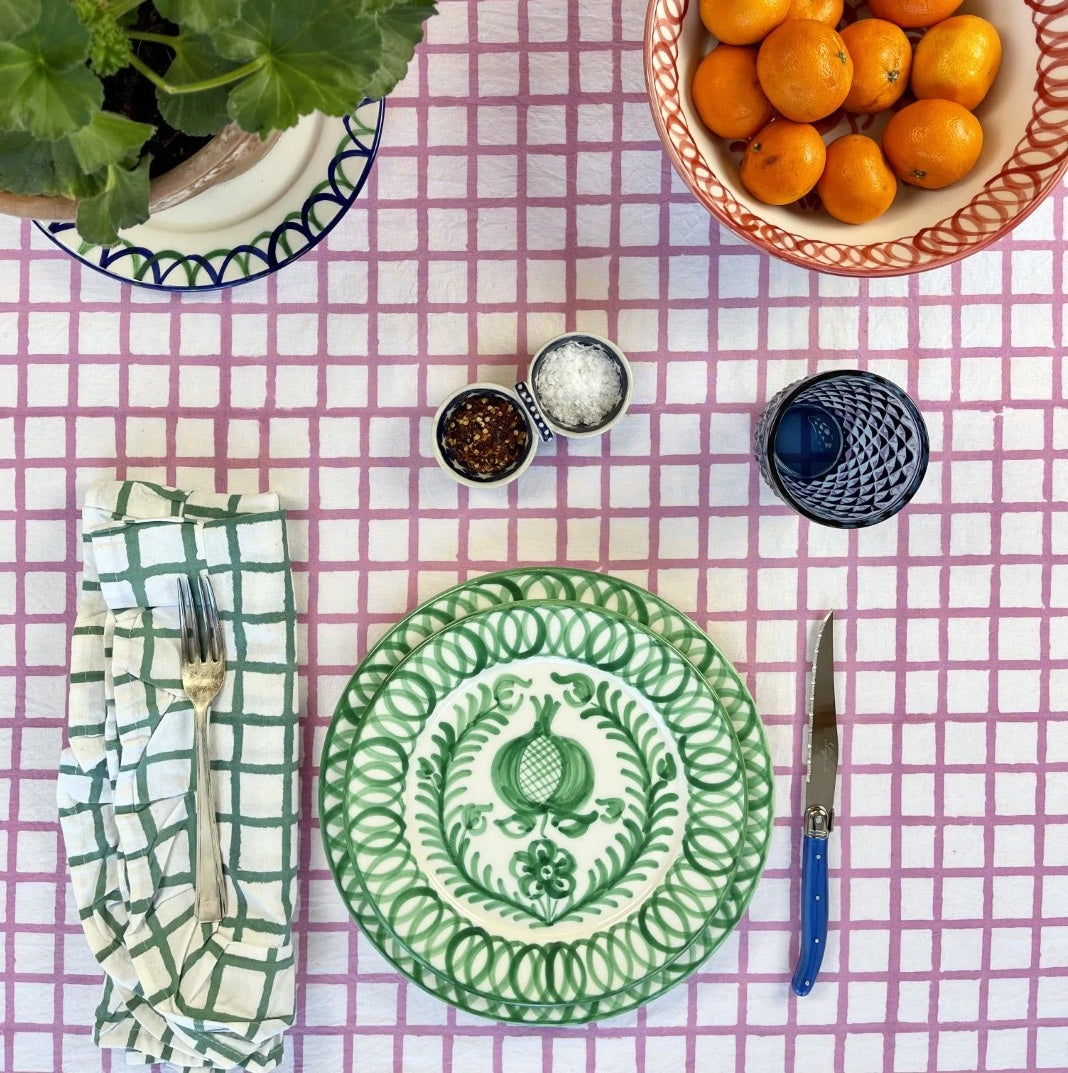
[
  {"x": 548, "y": 927},
  {"x": 583, "y": 588}
]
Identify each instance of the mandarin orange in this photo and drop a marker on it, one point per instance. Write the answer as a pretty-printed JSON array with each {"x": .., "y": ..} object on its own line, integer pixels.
[
  {"x": 857, "y": 184},
  {"x": 828, "y": 11},
  {"x": 727, "y": 92},
  {"x": 912, "y": 13},
  {"x": 742, "y": 22},
  {"x": 783, "y": 162},
  {"x": 805, "y": 69},
  {"x": 957, "y": 60},
  {"x": 882, "y": 58},
  {"x": 932, "y": 143}
]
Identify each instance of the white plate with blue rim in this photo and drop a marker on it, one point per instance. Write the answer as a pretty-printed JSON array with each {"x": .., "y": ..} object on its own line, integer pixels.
[{"x": 251, "y": 225}]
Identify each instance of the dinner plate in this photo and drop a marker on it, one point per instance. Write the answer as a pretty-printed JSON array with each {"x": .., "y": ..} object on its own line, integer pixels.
[
  {"x": 579, "y": 587},
  {"x": 545, "y": 803},
  {"x": 251, "y": 225}
]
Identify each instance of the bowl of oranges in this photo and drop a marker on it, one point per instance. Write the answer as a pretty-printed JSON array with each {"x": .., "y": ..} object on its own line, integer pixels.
[{"x": 863, "y": 138}]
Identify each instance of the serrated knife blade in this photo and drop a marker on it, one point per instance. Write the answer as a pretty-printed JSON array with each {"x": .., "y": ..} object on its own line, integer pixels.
[
  {"x": 822, "y": 727},
  {"x": 820, "y": 778}
]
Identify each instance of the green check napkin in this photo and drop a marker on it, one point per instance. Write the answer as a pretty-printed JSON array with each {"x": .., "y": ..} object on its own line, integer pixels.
[{"x": 196, "y": 995}]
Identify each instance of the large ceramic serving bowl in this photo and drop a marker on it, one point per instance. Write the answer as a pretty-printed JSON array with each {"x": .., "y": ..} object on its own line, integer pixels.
[{"x": 1025, "y": 124}]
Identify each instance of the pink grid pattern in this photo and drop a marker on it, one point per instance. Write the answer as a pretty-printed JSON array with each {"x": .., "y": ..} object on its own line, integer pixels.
[{"x": 520, "y": 192}]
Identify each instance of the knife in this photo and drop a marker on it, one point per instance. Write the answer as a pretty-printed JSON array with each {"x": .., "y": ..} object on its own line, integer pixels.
[{"x": 819, "y": 811}]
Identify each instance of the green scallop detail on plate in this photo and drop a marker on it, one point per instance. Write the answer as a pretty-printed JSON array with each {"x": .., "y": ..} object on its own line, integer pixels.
[
  {"x": 579, "y": 587},
  {"x": 490, "y": 846}
]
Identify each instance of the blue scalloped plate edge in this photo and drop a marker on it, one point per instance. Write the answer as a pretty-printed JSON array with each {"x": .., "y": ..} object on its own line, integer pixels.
[{"x": 272, "y": 249}]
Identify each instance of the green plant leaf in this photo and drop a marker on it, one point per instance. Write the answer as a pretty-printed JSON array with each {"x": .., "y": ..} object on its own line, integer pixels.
[
  {"x": 29, "y": 165},
  {"x": 45, "y": 87},
  {"x": 16, "y": 16},
  {"x": 401, "y": 26},
  {"x": 122, "y": 203},
  {"x": 71, "y": 179},
  {"x": 57, "y": 35},
  {"x": 203, "y": 112},
  {"x": 108, "y": 139},
  {"x": 315, "y": 59},
  {"x": 26, "y": 165},
  {"x": 200, "y": 16}
]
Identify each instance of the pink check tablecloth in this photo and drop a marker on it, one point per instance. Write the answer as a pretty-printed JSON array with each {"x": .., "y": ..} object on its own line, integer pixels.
[{"x": 520, "y": 192}]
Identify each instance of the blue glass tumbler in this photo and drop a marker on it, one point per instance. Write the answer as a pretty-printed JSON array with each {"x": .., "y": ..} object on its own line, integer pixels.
[{"x": 844, "y": 448}]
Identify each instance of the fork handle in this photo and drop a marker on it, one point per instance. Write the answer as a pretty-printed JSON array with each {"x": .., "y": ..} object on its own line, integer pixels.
[{"x": 210, "y": 892}]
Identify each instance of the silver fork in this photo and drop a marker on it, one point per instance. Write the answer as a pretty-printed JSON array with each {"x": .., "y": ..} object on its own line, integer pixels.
[{"x": 203, "y": 669}]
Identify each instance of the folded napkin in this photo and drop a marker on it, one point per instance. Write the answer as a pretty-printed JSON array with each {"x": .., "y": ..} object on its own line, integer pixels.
[{"x": 197, "y": 995}]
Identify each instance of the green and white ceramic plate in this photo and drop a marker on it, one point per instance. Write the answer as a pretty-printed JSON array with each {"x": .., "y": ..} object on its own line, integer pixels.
[
  {"x": 545, "y": 803},
  {"x": 579, "y": 587}
]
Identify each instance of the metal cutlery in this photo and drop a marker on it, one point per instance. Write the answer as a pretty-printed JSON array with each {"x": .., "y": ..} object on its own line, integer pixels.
[
  {"x": 203, "y": 670},
  {"x": 819, "y": 811}
]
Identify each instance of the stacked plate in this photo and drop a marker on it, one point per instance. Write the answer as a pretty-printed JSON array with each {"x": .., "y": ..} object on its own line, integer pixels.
[{"x": 546, "y": 796}]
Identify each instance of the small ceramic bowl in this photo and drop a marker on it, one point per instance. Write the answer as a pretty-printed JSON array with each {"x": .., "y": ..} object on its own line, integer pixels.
[
  {"x": 540, "y": 422},
  {"x": 626, "y": 378},
  {"x": 1025, "y": 150},
  {"x": 456, "y": 469}
]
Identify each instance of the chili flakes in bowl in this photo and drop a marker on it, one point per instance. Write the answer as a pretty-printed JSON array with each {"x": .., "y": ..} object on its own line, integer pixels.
[{"x": 484, "y": 435}]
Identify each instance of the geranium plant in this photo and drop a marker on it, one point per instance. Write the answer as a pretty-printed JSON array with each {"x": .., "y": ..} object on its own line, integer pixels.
[{"x": 261, "y": 64}]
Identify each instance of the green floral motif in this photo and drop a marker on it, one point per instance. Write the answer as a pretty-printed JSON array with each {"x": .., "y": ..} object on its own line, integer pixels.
[
  {"x": 535, "y": 774},
  {"x": 544, "y": 870}
]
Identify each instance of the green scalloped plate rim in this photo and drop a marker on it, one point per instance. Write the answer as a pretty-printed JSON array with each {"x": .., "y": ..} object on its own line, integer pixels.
[{"x": 581, "y": 586}]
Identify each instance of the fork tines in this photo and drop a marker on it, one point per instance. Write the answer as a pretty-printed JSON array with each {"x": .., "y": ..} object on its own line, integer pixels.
[{"x": 200, "y": 634}]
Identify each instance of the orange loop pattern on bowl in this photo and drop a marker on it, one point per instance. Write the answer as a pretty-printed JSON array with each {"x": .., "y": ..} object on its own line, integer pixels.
[{"x": 1027, "y": 176}]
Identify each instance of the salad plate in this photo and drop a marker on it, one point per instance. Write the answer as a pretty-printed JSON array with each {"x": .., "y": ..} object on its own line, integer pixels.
[
  {"x": 545, "y": 803},
  {"x": 583, "y": 588},
  {"x": 251, "y": 225}
]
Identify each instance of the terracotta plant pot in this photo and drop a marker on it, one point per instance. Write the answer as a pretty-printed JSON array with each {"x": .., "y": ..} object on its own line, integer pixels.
[{"x": 231, "y": 152}]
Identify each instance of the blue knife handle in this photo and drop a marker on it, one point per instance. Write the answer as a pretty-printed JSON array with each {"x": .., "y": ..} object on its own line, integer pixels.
[{"x": 813, "y": 913}]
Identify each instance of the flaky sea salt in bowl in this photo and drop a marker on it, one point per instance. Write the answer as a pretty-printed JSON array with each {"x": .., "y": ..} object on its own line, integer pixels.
[{"x": 580, "y": 383}]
